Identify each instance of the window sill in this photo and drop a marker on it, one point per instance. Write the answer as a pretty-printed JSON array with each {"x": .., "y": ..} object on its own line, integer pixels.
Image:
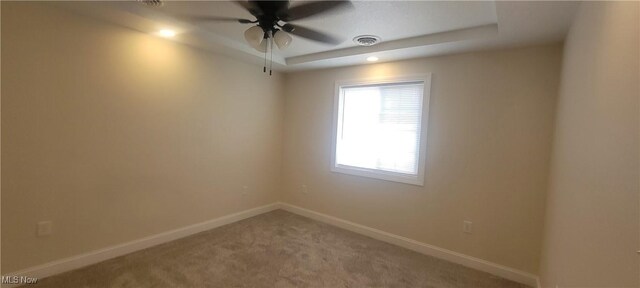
[{"x": 379, "y": 174}]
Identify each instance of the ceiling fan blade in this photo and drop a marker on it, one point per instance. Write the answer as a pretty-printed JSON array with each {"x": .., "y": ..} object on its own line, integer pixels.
[
  {"x": 250, "y": 6},
  {"x": 220, "y": 19},
  {"x": 315, "y": 8},
  {"x": 313, "y": 34}
]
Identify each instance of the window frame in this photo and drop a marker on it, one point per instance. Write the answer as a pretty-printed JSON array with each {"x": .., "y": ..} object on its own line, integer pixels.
[{"x": 417, "y": 179}]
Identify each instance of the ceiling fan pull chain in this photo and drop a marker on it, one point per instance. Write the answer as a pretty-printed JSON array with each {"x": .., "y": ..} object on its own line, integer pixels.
[
  {"x": 264, "y": 69},
  {"x": 271, "y": 54}
]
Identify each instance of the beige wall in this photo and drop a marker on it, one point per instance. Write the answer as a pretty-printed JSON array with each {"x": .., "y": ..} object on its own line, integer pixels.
[
  {"x": 489, "y": 139},
  {"x": 115, "y": 135},
  {"x": 593, "y": 217}
]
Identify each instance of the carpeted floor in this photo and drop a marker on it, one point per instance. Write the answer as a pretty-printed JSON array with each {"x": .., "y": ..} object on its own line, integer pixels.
[{"x": 276, "y": 249}]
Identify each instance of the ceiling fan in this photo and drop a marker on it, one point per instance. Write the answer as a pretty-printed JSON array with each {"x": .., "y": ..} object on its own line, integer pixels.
[{"x": 272, "y": 22}]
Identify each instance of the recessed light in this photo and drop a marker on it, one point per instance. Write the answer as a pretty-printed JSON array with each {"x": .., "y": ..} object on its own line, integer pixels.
[
  {"x": 167, "y": 33},
  {"x": 372, "y": 59}
]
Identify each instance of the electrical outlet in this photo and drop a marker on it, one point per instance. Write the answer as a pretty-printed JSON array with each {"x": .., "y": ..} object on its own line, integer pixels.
[
  {"x": 304, "y": 189},
  {"x": 245, "y": 190},
  {"x": 467, "y": 227},
  {"x": 45, "y": 228}
]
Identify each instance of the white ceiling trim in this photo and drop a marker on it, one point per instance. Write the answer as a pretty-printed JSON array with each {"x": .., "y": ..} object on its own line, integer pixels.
[{"x": 479, "y": 32}]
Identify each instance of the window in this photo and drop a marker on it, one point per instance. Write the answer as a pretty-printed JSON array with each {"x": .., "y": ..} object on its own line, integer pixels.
[{"x": 379, "y": 129}]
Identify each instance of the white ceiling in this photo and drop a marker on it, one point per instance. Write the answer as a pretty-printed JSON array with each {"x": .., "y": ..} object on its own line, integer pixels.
[{"x": 408, "y": 29}]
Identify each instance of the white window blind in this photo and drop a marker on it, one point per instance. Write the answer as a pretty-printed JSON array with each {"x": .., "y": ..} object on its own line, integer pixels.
[{"x": 378, "y": 127}]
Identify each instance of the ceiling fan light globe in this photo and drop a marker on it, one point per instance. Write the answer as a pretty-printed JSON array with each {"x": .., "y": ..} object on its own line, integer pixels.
[
  {"x": 282, "y": 39},
  {"x": 262, "y": 47},
  {"x": 254, "y": 36}
]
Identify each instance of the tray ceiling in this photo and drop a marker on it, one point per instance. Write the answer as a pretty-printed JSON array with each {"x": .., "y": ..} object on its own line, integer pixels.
[{"x": 408, "y": 29}]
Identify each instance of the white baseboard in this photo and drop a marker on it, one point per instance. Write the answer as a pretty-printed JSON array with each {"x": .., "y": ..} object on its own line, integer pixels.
[
  {"x": 82, "y": 260},
  {"x": 423, "y": 248}
]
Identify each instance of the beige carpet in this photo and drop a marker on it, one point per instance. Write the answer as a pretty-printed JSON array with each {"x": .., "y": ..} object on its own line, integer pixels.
[{"x": 276, "y": 249}]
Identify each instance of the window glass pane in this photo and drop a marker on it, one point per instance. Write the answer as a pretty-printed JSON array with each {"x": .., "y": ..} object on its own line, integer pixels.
[{"x": 379, "y": 127}]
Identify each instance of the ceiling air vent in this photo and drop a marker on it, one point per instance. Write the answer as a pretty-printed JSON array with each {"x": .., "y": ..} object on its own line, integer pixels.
[
  {"x": 366, "y": 40},
  {"x": 152, "y": 3}
]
